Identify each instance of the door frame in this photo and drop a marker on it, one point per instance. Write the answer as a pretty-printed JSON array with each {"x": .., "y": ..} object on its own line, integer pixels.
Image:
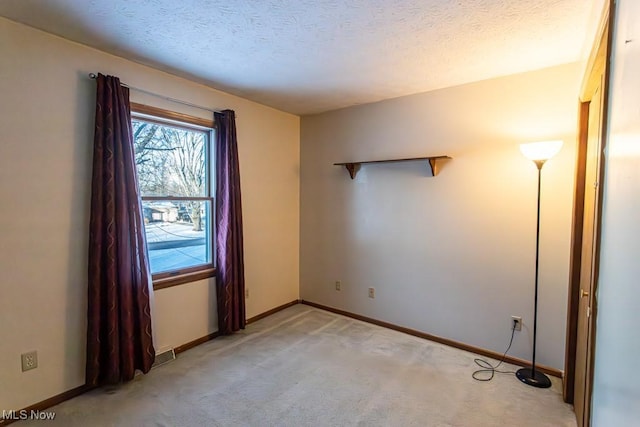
[{"x": 597, "y": 65}]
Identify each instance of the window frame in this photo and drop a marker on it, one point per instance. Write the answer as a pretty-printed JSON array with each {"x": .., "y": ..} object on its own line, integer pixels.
[{"x": 167, "y": 117}]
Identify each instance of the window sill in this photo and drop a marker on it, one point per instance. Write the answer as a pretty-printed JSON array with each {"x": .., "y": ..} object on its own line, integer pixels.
[{"x": 168, "y": 282}]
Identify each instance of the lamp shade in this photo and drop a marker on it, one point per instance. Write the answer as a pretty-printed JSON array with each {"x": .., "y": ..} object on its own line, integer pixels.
[{"x": 540, "y": 150}]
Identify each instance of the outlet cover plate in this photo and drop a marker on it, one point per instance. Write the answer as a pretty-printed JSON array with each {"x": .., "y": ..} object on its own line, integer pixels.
[
  {"x": 518, "y": 322},
  {"x": 372, "y": 293},
  {"x": 29, "y": 360}
]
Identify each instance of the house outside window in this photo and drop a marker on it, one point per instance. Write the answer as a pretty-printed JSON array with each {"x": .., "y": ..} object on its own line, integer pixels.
[{"x": 174, "y": 161}]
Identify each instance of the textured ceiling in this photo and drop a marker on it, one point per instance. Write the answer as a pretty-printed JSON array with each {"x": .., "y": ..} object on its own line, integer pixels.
[{"x": 308, "y": 56}]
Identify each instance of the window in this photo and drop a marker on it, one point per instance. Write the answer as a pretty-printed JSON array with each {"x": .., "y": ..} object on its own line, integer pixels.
[{"x": 174, "y": 164}]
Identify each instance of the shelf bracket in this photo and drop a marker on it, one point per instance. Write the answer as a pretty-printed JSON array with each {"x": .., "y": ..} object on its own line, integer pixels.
[
  {"x": 352, "y": 168},
  {"x": 433, "y": 165}
]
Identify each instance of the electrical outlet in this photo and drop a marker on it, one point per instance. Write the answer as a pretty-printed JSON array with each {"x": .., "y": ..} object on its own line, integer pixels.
[
  {"x": 29, "y": 360},
  {"x": 372, "y": 293},
  {"x": 246, "y": 293},
  {"x": 516, "y": 323},
  {"x": 338, "y": 285}
]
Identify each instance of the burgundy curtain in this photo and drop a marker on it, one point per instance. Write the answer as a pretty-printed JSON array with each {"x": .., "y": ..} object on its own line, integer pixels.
[
  {"x": 119, "y": 316},
  {"x": 229, "y": 249}
]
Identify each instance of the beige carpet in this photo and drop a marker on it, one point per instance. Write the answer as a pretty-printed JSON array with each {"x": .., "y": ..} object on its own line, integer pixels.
[{"x": 308, "y": 367}]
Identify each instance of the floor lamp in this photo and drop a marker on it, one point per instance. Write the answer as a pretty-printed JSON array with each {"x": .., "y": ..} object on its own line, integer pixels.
[{"x": 538, "y": 152}]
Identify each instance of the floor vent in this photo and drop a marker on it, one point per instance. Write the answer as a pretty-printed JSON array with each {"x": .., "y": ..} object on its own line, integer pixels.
[{"x": 164, "y": 357}]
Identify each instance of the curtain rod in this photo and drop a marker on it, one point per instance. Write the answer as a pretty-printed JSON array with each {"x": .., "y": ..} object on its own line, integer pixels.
[{"x": 94, "y": 76}]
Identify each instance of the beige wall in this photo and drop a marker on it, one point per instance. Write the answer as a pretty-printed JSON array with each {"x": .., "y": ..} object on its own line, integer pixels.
[
  {"x": 451, "y": 255},
  {"x": 616, "y": 392},
  {"x": 46, "y": 119}
]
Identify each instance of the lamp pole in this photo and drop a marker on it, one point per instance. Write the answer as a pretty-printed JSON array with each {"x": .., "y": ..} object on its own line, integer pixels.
[{"x": 529, "y": 375}]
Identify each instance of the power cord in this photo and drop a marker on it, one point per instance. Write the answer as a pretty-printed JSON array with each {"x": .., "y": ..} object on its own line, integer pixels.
[{"x": 487, "y": 367}]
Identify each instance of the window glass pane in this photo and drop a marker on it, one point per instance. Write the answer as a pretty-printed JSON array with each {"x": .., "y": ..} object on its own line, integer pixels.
[
  {"x": 171, "y": 161},
  {"x": 178, "y": 234}
]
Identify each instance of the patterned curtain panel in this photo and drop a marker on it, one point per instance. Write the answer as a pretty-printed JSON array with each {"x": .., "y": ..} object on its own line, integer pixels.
[
  {"x": 119, "y": 316},
  {"x": 229, "y": 249}
]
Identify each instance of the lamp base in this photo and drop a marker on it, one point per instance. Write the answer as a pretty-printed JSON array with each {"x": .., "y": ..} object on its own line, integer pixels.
[{"x": 533, "y": 378}]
